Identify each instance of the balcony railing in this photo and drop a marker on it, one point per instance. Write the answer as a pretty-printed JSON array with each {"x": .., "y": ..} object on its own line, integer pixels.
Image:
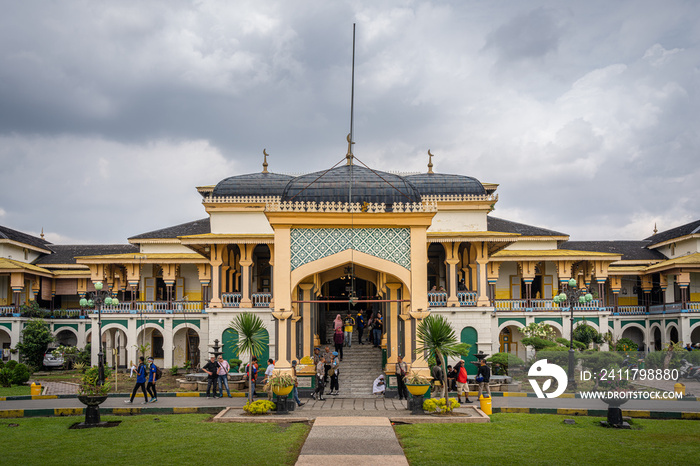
[
  {"x": 630, "y": 310},
  {"x": 466, "y": 298},
  {"x": 261, "y": 299},
  {"x": 231, "y": 299},
  {"x": 541, "y": 305},
  {"x": 437, "y": 299}
]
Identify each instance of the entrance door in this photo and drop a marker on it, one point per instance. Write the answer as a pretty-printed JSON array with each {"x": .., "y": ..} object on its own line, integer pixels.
[{"x": 505, "y": 338}]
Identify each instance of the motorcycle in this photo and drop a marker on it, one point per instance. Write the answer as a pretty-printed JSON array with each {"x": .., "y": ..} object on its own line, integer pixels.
[{"x": 688, "y": 371}]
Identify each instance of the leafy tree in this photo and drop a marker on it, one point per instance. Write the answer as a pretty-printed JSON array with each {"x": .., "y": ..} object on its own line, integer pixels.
[
  {"x": 587, "y": 334},
  {"x": 539, "y": 330},
  {"x": 35, "y": 340},
  {"x": 577, "y": 344},
  {"x": 436, "y": 336},
  {"x": 251, "y": 335},
  {"x": 594, "y": 361}
]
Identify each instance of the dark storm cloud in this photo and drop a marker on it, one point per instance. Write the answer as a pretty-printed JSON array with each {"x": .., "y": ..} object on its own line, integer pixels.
[{"x": 126, "y": 107}]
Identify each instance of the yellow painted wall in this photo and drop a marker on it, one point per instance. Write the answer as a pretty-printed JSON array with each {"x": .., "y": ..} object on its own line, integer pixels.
[
  {"x": 695, "y": 296},
  {"x": 627, "y": 301}
]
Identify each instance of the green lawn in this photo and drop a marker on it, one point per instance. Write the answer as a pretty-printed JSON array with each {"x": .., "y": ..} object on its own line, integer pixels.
[
  {"x": 15, "y": 390},
  {"x": 545, "y": 439},
  {"x": 166, "y": 439}
]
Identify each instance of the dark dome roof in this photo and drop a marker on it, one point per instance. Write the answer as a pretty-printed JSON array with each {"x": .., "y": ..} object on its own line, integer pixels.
[
  {"x": 254, "y": 184},
  {"x": 440, "y": 184},
  {"x": 367, "y": 186}
]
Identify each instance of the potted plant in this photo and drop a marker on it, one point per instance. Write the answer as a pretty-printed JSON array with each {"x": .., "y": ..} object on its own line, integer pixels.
[
  {"x": 92, "y": 394},
  {"x": 416, "y": 384},
  {"x": 282, "y": 383}
]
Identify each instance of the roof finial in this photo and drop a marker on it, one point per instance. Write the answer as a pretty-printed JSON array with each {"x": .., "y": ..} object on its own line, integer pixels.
[
  {"x": 349, "y": 155},
  {"x": 655, "y": 230},
  {"x": 265, "y": 154},
  {"x": 42, "y": 232},
  {"x": 430, "y": 162}
]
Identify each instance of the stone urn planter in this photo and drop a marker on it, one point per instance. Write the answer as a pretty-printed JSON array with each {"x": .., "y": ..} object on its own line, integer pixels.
[
  {"x": 615, "y": 412},
  {"x": 92, "y": 410},
  {"x": 283, "y": 391},
  {"x": 417, "y": 391}
]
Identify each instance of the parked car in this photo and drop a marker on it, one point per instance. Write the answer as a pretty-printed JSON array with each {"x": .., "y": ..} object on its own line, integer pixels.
[{"x": 51, "y": 360}]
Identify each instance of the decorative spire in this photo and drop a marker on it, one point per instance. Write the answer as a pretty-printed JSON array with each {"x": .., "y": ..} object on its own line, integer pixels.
[
  {"x": 42, "y": 232},
  {"x": 265, "y": 154},
  {"x": 655, "y": 230},
  {"x": 430, "y": 162},
  {"x": 349, "y": 155}
]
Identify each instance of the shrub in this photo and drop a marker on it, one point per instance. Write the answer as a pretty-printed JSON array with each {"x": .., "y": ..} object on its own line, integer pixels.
[
  {"x": 89, "y": 382},
  {"x": 505, "y": 360},
  {"x": 20, "y": 374},
  {"x": 11, "y": 364},
  {"x": 577, "y": 344},
  {"x": 173, "y": 370},
  {"x": 259, "y": 407},
  {"x": 538, "y": 343},
  {"x": 625, "y": 344},
  {"x": 587, "y": 334},
  {"x": 6, "y": 377},
  {"x": 434, "y": 405}
]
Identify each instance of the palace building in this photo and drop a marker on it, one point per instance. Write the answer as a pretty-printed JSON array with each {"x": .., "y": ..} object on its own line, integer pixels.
[{"x": 297, "y": 250}]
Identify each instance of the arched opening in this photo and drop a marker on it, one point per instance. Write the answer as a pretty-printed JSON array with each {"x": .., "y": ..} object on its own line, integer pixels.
[
  {"x": 695, "y": 335},
  {"x": 673, "y": 334},
  {"x": 470, "y": 336},
  {"x": 5, "y": 344},
  {"x": 152, "y": 339},
  {"x": 657, "y": 339},
  {"x": 114, "y": 342},
  {"x": 186, "y": 347},
  {"x": 66, "y": 338},
  {"x": 509, "y": 340},
  {"x": 636, "y": 335}
]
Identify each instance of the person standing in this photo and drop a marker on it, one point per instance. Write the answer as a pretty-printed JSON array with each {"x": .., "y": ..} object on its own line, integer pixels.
[
  {"x": 151, "y": 387},
  {"x": 335, "y": 367},
  {"x": 360, "y": 320},
  {"x": 338, "y": 339},
  {"x": 295, "y": 392},
  {"x": 140, "y": 382},
  {"x": 327, "y": 356},
  {"x": 222, "y": 373},
  {"x": 268, "y": 374},
  {"x": 437, "y": 374},
  {"x": 483, "y": 376},
  {"x": 338, "y": 322},
  {"x": 401, "y": 371},
  {"x": 211, "y": 368},
  {"x": 349, "y": 327},
  {"x": 462, "y": 386},
  {"x": 320, "y": 379}
]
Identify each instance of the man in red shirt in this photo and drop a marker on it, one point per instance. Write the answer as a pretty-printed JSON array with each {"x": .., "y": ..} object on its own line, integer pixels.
[{"x": 462, "y": 385}]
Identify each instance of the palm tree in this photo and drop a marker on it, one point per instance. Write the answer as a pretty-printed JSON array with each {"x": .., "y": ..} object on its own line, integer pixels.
[
  {"x": 251, "y": 335},
  {"x": 438, "y": 338}
]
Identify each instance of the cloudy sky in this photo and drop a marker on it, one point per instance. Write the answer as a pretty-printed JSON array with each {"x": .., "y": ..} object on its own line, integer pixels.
[{"x": 585, "y": 112}]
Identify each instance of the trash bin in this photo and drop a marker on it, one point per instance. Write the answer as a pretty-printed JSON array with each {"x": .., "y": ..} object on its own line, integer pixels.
[
  {"x": 485, "y": 404},
  {"x": 679, "y": 388},
  {"x": 35, "y": 389}
]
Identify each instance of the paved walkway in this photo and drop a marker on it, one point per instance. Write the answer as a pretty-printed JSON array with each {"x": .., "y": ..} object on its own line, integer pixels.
[
  {"x": 59, "y": 388},
  {"x": 352, "y": 441}
]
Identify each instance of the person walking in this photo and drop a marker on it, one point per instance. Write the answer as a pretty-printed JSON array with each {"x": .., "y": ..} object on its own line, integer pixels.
[
  {"x": 140, "y": 382},
  {"x": 377, "y": 328},
  {"x": 483, "y": 376},
  {"x": 401, "y": 371},
  {"x": 222, "y": 373},
  {"x": 462, "y": 386},
  {"x": 211, "y": 367},
  {"x": 349, "y": 327},
  {"x": 335, "y": 372},
  {"x": 320, "y": 378},
  {"x": 338, "y": 322},
  {"x": 151, "y": 387},
  {"x": 254, "y": 373},
  {"x": 360, "y": 321},
  {"x": 338, "y": 339},
  {"x": 268, "y": 374},
  {"x": 327, "y": 356},
  {"x": 295, "y": 391}
]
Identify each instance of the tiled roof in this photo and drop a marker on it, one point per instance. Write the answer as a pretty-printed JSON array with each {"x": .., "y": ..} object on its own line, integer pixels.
[
  {"x": 683, "y": 230},
  {"x": 14, "y": 235},
  {"x": 630, "y": 250},
  {"x": 198, "y": 227},
  {"x": 66, "y": 254},
  {"x": 445, "y": 184},
  {"x": 506, "y": 226}
]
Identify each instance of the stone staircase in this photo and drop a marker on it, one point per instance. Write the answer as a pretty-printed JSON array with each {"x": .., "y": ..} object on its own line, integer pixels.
[{"x": 360, "y": 366}]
